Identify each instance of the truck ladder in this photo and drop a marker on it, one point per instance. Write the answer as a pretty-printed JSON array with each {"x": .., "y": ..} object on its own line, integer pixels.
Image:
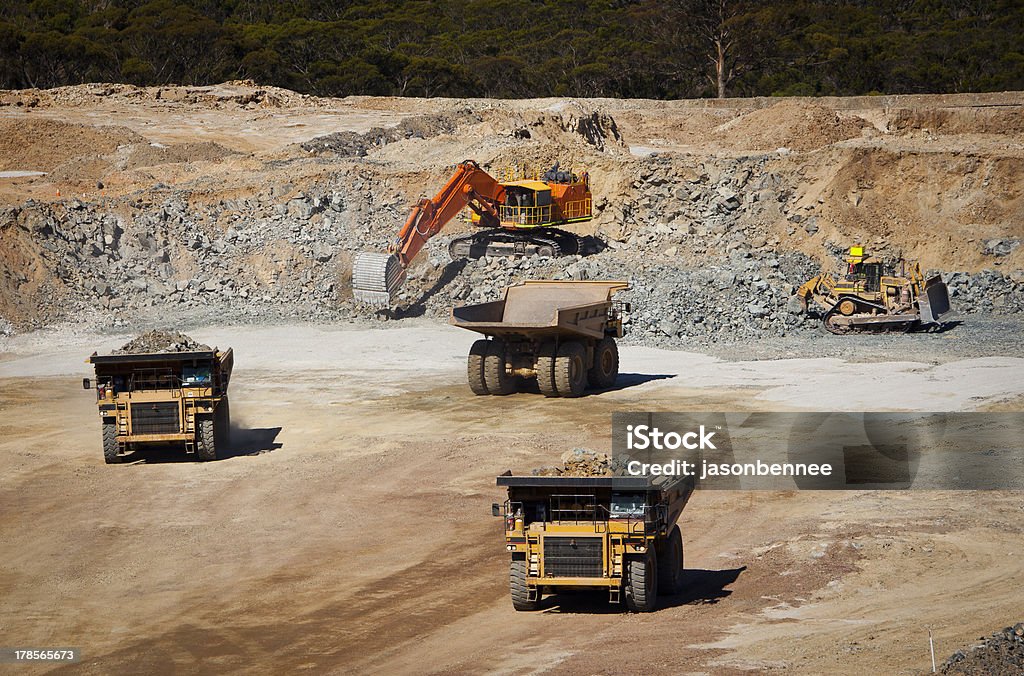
[{"x": 189, "y": 409}]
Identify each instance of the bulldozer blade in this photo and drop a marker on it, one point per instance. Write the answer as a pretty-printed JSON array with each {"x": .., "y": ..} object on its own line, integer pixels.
[
  {"x": 376, "y": 277},
  {"x": 934, "y": 304}
]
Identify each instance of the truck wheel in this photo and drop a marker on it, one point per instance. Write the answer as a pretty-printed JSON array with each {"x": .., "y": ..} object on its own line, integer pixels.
[
  {"x": 670, "y": 564},
  {"x": 223, "y": 431},
  {"x": 496, "y": 378},
  {"x": 475, "y": 367},
  {"x": 206, "y": 438},
  {"x": 570, "y": 369},
  {"x": 642, "y": 583},
  {"x": 110, "y": 445},
  {"x": 517, "y": 585},
  {"x": 605, "y": 370},
  {"x": 545, "y": 367}
]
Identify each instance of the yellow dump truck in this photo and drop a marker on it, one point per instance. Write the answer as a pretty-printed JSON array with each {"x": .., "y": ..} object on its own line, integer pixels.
[
  {"x": 617, "y": 534},
  {"x": 560, "y": 332},
  {"x": 169, "y": 399}
]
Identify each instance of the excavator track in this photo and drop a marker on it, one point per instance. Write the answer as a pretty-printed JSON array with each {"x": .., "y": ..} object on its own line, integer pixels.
[
  {"x": 550, "y": 242},
  {"x": 376, "y": 277}
]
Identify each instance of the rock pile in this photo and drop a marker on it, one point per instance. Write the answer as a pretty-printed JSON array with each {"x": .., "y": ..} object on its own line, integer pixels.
[
  {"x": 352, "y": 144},
  {"x": 986, "y": 291},
  {"x": 1000, "y": 653},
  {"x": 162, "y": 341},
  {"x": 578, "y": 462}
]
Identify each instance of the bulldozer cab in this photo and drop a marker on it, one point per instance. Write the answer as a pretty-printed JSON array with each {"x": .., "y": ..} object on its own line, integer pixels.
[
  {"x": 864, "y": 271},
  {"x": 869, "y": 273}
]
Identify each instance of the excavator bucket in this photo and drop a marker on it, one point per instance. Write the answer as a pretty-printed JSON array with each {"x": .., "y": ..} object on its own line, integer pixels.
[
  {"x": 934, "y": 304},
  {"x": 376, "y": 277}
]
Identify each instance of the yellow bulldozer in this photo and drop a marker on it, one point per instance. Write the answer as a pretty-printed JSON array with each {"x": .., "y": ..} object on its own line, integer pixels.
[{"x": 875, "y": 296}]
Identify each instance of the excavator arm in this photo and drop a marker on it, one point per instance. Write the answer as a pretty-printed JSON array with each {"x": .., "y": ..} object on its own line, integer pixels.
[{"x": 376, "y": 277}]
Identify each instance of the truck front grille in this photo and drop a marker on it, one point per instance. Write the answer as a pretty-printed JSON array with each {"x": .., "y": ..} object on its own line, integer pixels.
[
  {"x": 158, "y": 417},
  {"x": 573, "y": 557}
]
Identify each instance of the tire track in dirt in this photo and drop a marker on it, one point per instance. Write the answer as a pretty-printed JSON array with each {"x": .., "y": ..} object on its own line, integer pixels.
[{"x": 364, "y": 626}]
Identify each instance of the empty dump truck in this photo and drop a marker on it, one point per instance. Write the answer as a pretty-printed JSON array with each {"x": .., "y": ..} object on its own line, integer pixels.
[
  {"x": 561, "y": 333},
  {"x": 613, "y": 533},
  {"x": 168, "y": 398}
]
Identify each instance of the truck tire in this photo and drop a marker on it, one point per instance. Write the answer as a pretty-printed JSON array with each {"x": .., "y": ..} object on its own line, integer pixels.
[
  {"x": 642, "y": 583},
  {"x": 496, "y": 378},
  {"x": 475, "y": 367},
  {"x": 206, "y": 437},
  {"x": 518, "y": 587},
  {"x": 545, "y": 367},
  {"x": 571, "y": 369},
  {"x": 670, "y": 564},
  {"x": 223, "y": 427},
  {"x": 605, "y": 370},
  {"x": 110, "y": 445}
]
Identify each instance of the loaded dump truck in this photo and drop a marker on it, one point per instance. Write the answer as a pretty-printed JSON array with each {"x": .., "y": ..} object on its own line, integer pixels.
[
  {"x": 561, "y": 333},
  {"x": 163, "y": 399},
  {"x": 612, "y": 533}
]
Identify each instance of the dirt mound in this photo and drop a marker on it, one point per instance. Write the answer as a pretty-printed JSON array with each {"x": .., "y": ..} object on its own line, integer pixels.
[
  {"x": 43, "y": 145},
  {"x": 152, "y": 154},
  {"x": 1003, "y": 120},
  {"x": 798, "y": 126},
  {"x": 1001, "y": 653},
  {"x": 229, "y": 95},
  {"x": 162, "y": 341}
]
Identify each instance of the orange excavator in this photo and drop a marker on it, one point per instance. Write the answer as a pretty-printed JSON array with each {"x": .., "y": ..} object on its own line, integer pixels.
[{"x": 518, "y": 218}]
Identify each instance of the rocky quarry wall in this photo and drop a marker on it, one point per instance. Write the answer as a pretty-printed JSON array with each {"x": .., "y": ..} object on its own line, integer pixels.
[{"x": 713, "y": 243}]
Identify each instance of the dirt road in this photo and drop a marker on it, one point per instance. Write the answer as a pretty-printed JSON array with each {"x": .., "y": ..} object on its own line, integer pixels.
[{"x": 350, "y": 529}]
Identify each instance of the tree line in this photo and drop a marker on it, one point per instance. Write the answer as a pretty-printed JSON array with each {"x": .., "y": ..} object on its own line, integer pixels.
[{"x": 522, "y": 48}]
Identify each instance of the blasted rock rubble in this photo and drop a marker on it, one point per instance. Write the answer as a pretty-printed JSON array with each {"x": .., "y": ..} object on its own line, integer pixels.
[
  {"x": 157, "y": 341},
  {"x": 580, "y": 462},
  {"x": 1000, "y": 653},
  {"x": 690, "y": 240}
]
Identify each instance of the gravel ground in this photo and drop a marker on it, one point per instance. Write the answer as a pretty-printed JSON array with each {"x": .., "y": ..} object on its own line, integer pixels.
[{"x": 976, "y": 335}]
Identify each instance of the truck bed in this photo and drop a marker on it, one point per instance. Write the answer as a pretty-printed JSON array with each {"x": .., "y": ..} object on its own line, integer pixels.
[
  {"x": 152, "y": 357},
  {"x": 543, "y": 307},
  {"x": 627, "y": 483}
]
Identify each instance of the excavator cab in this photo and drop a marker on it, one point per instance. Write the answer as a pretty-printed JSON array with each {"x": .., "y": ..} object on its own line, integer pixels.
[{"x": 527, "y": 205}]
